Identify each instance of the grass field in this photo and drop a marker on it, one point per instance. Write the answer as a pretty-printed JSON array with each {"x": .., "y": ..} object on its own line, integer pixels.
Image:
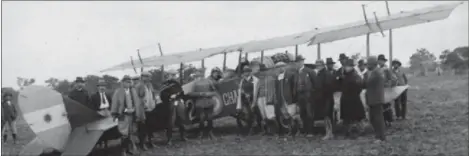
[{"x": 437, "y": 124}]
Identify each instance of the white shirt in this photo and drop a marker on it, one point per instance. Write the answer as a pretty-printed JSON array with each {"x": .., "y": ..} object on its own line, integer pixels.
[{"x": 106, "y": 102}]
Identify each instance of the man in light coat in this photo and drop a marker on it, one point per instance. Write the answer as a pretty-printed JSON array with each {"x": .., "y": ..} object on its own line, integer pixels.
[
  {"x": 147, "y": 98},
  {"x": 127, "y": 109}
]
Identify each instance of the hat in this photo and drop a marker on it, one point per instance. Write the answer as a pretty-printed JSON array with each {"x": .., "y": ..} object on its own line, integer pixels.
[
  {"x": 319, "y": 62},
  {"x": 329, "y": 61},
  {"x": 7, "y": 94},
  {"x": 361, "y": 62},
  {"x": 199, "y": 71},
  {"x": 382, "y": 57},
  {"x": 101, "y": 82},
  {"x": 349, "y": 62},
  {"x": 300, "y": 58},
  {"x": 396, "y": 62},
  {"x": 246, "y": 69},
  {"x": 216, "y": 69},
  {"x": 145, "y": 74},
  {"x": 279, "y": 64},
  {"x": 372, "y": 60},
  {"x": 342, "y": 56},
  {"x": 126, "y": 78},
  {"x": 135, "y": 78},
  {"x": 79, "y": 80}
]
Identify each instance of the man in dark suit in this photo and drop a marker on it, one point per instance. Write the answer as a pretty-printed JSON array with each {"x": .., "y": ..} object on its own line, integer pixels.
[
  {"x": 101, "y": 102},
  {"x": 79, "y": 93},
  {"x": 374, "y": 83},
  {"x": 304, "y": 90},
  {"x": 324, "y": 109}
]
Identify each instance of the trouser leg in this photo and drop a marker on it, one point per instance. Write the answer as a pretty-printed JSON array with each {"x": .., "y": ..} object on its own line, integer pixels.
[
  {"x": 142, "y": 133},
  {"x": 13, "y": 130},
  {"x": 377, "y": 121},
  {"x": 404, "y": 104},
  {"x": 397, "y": 107},
  {"x": 304, "y": 115}
]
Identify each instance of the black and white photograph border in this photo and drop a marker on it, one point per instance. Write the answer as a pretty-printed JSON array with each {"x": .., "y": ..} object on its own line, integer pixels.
[{"x": 234, "y": 78}]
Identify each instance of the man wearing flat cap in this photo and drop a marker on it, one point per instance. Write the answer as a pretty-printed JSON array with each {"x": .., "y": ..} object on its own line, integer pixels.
[
  {"x": 400, "y": 105},
  {"x": 80, "y": 94},
  {"x": 146, "y": 94},
  {"x": 374, "y": 84},
  {"x": 202, "y": 91},
  {"x": 324, "y": 106},
  {"x": 127, "y": 109},
  {"x": 304, "y": 89},
  {"x": 390, "y": 81}
]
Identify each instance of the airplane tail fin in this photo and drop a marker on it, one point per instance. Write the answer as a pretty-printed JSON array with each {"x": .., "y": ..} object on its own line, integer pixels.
[{"x": 79, "y": 114}]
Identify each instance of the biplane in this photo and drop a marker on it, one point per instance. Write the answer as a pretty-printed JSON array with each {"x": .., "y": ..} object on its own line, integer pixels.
[
  {"x": 64, "y": 125},
  {"x": 227, "y": 89}
]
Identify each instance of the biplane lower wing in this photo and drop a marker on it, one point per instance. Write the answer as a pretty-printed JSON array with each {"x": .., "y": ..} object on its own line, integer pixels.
[
  {"x": 34, "y": 147},
  {"x": 390, "y": 94}
]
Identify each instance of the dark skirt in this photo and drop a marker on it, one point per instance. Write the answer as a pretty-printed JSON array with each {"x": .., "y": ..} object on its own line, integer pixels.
[
  {"x": 323, "y": 106},
  {"x": 351, "y": 107}
]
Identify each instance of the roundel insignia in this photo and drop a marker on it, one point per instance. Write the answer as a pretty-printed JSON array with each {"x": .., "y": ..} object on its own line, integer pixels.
[
  {"x": 47, "y": 118},
  {"x": 44, "y": 111}
]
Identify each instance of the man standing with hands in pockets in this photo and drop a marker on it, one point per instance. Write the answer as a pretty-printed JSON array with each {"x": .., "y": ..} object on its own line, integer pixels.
[{"x": 127, "y": 109}]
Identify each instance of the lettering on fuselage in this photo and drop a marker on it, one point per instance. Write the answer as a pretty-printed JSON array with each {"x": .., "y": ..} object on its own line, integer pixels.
[{"x": 230, "y": 97}]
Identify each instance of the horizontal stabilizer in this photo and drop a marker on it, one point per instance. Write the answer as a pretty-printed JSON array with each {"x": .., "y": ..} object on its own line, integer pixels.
[{"x": 81, "y": 141}]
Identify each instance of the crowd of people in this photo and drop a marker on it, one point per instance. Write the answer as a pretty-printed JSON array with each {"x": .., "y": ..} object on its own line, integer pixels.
[{"x": 312, "y": 89}]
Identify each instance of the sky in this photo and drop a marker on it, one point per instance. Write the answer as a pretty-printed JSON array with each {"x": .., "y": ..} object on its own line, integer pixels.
[{"x": 76, "y": 38}]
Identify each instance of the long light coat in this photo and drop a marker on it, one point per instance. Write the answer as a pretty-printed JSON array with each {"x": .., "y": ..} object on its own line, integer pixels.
[{"x": 119, "y": 102}]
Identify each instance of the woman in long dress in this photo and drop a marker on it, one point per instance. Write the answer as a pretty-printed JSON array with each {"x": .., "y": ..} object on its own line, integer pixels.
[{"x": 351, "y": 107}]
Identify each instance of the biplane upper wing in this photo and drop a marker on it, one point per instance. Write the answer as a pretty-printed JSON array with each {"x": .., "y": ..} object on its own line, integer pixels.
[
  {"x": 322, "y": 35},
  {"x": 380, "y": 24}
]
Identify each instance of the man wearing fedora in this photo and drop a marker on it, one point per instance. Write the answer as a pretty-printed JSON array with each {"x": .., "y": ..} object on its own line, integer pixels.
[
  {"x": 146, "y": 93},
  {"x": 304, "y": 89},
  {"x": 79, "y": 93},
  {"x": 390, "y": 81},
  {"x": 127, "y": 109},
  {"x": 324, "y": 106},
  {"x": 101, "y": 102},
  {"x": 400, "y": 104},
  {"x": 374, "y": 85},
  {"x": 342, "y": 59}
]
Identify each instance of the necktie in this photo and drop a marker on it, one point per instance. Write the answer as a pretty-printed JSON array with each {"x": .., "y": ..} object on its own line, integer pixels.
[{"x": 102, "y": 98}]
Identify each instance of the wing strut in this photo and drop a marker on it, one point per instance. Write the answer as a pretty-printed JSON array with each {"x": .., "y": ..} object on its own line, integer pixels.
[{"x": 379, "y": 25}]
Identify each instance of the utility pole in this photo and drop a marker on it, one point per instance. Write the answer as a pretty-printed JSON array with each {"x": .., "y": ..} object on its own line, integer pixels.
[{"x": 390, "y": 36}]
